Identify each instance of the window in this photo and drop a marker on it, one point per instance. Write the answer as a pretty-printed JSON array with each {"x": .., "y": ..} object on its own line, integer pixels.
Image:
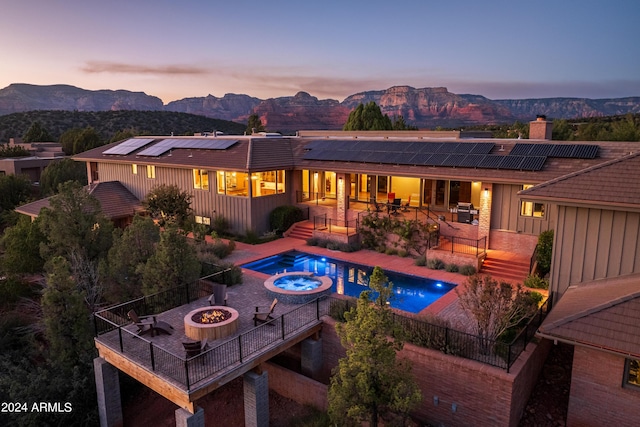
[
  {"x": 267, "y": 183},
  {"x": 203, "y": 220},
  {"x": 631, "y": 373},
  {"x": 134, "y": 169},
  {"x": 531, "y": 209},
  {"x": 151, "y": 171},
  {"x": 233, "y": 183},
  {"x": 201, "y": 179}
]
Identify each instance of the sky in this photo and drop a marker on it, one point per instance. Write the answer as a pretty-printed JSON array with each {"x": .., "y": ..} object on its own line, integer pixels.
[{"x": 174, "y": 49}]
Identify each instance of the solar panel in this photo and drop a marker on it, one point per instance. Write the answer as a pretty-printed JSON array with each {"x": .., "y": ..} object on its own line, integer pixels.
[
  {"x": 491, "y": 162},
  {"x": 421, "y": 158},
  {"x": 541, "y": 149},
  {"x": 562, "y": 150},
  {"x": 453, "y": 160},
  {"x": 585, "y": 151},
  {"x": 404, "y": 158},
  {"x": 437, "y": 159},
  {"x": 471, "y": 161},
  {"x": 203, "y": 144},
  {"x": 128, "y": 146},
  {"x": 448, "y": 147},
  {"x": 482, "y": 148},
  {"x": 430, "y": 147},
  {"x": 521, "y": 149},
  {"x": 377, "y": 157},
  {"x": 511, "y": 162},
  {"x": 533, "y": 163},
  {"x": 464, "y": 148}
]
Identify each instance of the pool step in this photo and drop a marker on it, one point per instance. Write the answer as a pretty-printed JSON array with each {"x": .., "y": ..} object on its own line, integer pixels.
[{"x": 290, "y": 259}]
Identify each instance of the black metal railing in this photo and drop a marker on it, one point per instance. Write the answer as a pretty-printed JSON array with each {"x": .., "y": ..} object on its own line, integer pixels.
[
  {"x": 463, "y": 245},
  {"x": 332, "y": 225},
  {"x": 110, "y": 330},
  {"x": 450, "y": 341},
  {"x": 317, "y": 198}
]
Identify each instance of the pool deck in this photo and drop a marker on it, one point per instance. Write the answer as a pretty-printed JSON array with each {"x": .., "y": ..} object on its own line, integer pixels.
[{"x": 445, "y": 307}]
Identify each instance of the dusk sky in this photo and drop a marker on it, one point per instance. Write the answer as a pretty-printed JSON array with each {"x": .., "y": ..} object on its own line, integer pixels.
[{"x": 191, "y": 48}]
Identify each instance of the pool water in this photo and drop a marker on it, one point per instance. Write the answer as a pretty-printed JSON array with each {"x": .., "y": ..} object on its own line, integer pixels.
[
  {"x": 297, "y": 283},
  {"x": 410, "y": 293}
]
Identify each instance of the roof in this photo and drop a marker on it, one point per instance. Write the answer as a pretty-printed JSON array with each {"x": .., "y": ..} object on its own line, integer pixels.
[
  {"x": 599, "y": 184},
  {"x": 602, "y": 314},
  {"x": 115, "y": 200}
]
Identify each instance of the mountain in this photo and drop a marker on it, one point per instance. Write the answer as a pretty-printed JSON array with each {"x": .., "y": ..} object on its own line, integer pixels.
[{"x": 425, "y": 108}]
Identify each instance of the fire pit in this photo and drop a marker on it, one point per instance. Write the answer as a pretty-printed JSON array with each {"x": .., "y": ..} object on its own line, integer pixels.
[{"x": 211, "y": 322}]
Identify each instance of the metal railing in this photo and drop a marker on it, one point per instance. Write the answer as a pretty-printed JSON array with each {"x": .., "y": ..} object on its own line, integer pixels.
[
  {"x": 450, "y": 341},
  {"x": 306, "y": 196},
  {"x": 110, "y": 330},
  {"x": 331, "y": 225},
  {"x": 463, "y": 245}
]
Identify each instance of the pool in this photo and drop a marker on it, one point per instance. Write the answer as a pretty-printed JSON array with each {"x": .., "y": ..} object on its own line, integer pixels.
[{"x": 410, "y": 293}]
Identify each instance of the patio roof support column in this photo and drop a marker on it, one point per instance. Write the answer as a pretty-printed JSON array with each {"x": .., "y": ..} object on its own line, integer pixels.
[
  {"x": 108, "y": 389},
  {"x": 256, "y": 399},
  {"x": 343, "y": 198},
  {"x": 484, "y": 222},
  {"x": 311, "y": 359},
  {"x": 185, "y": 418}
]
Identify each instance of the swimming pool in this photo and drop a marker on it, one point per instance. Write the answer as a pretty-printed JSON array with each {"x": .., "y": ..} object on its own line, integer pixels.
[{"x": 410, "y": 293}]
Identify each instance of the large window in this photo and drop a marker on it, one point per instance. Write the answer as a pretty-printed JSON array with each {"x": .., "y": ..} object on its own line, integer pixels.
[
  {"x": 233, "y": 183},
  {"x": 267, "y": 183},
  {"x": 631, "y": 373},
  {"x": 151, "y": 171},
  {"x": 201, "y": 179},
  {"x": 532, "y": 209}
]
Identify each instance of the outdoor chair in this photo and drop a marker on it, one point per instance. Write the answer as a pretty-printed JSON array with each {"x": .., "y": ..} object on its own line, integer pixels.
[
  {"x": 405, "y": 207},
  {"x": 149, "y": 324},
  {"x": 393, "y": 207},
  {"x": 194, "y": 348},
  {"x": 264, "y": 316},
  {"x": 219, "y": 295},
  {"x": 377, "y": 207}
]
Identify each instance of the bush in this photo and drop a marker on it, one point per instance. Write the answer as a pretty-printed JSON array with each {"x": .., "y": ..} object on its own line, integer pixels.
[
  {"x": 333, "y": 245},
  {"x": 349, "y": 247},
  {"x": 251, "y": 237},
  {"x": 467, "y": 270},
  {"x": 421, "y": 261},
  {"x": 221, "y": 225},
  {"x": 544, "y": 251},
  {"x": 403, "y": 253},
  {"x": 313, "y": 241},
  {"x": 283, "y": 217},
  {"x": 435, "y": 264},
  {"x": 536, "y": 282},
  {"x": 451, "y": 268},
  {"x": 390, "y": 251}
]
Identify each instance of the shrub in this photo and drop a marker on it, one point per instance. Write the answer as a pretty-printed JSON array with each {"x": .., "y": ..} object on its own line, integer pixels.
[
  {"x": 536, "y": 297},
  {"x": 390, "y": 251},
  {"x": 421, "y": 261},
  {"x": 313, "y": 241},
  {"x": 544, "y": 251},
  {"x": 322, "y": 243},
  {"x": 382, "y": 249},
  {"x": 403, "y": 253},
  {"x": 221, "y": 225},
  {"x": 283, "y": 217},
  {"x": 251, "y": 237},
  {"x": 333, "y": 245},
  {"x": 435, "y": 264},
  {"x": 467, "y": 270},
  {"x": 536, "y": 282},
  {"x": 349, "y": 247},
  {"x": 451, "y": 268}
]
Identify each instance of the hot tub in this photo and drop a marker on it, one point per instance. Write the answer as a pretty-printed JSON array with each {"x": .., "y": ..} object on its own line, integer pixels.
[{"x": 297, "y": 287}]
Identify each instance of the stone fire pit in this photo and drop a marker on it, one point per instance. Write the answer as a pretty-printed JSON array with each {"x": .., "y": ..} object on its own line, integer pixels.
[{"x": 224, "y": 322}]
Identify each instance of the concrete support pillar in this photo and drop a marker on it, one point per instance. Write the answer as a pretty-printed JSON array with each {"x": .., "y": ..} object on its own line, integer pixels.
[
  {"x": 342, "y": 194},
  {"x": 108, "y": 388},
  {"x": 484, "y": 222},
  {"x": 185, "y": 418},
  {"x": 311, "y": 357},
  {"x": 256, "y": 399}
]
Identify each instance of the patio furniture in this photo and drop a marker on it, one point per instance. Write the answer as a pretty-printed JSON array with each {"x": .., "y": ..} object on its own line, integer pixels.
[
  {"x": 377, "y": 207},
  {"x": 392, "y": 208},
  {"x": 152, "y": 326},
  {"x": 391, "y": 197},
  {"x": 194, "y": 348},
  {"x": 405, "y": 207},
  {"x": 264, "y": 316},
  {"x": 219, "y": 295}
]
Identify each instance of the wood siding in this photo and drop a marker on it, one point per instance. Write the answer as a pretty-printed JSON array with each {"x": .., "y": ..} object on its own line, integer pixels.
[
  {"x": 594, "y": 244},
  {"x": 505, "y": 212},
  {"x": 242, "y": 212}
]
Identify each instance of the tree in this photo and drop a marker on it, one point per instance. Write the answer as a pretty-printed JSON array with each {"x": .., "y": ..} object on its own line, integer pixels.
[
  {"x": 370, "y": 382},
  {"x": 14, "y": 189},
  {"x": 77, "y": 140},
  {"x": 57, "y": 173},
  {"x": 131, "y": 250},
  {"x": 174, "y": 263},
  {"x": 254, "y": 124},
  {"x": 36, "y": 133},
  {"x": 368, "y": 117},
  {"x": 21, "y": 246},
  {"x": 494, "y": 306},
  {"x": 168, "y": 205},
  {"x": 400, "y": 124}
]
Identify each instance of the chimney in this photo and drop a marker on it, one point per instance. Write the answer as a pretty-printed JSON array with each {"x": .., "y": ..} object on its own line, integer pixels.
[{"x": 540, "y": 128}]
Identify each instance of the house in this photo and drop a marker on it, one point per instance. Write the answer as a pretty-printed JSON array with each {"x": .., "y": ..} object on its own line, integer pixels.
[
  {"x": 337, "y": 175},
  {"x": 595, "y": 284},
  {"x": 40, "y": 155}
]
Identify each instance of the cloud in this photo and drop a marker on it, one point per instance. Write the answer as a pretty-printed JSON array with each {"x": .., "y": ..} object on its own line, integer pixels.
[{"x": 122, "y": 68}]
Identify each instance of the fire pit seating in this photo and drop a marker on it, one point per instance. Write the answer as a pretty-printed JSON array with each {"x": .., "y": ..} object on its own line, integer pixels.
[
  {"x": 264, "y": 316},
  {"x": 211, "y": 323},
  {"x": 194, "y": 348},
  {"x": 152, "y": 326}
]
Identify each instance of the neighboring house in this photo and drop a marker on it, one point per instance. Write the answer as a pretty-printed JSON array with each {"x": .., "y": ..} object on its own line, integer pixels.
[
  {"x": 243, "y": 178},
  {"x": 117, "y": 203},
  {"x": 595, "y": 285},
  {"x": 40, "y": 155}
]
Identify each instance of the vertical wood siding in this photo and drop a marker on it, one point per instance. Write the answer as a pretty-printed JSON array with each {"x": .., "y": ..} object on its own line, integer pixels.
[
  {"x": 594, "y": 244},
  {"x": 505, "y": 212}
]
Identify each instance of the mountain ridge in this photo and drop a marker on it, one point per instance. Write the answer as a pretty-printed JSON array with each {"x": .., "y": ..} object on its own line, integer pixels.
[{"x": 425, "y": 108}]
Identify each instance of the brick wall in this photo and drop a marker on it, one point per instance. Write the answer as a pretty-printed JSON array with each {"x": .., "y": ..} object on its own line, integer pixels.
[
  {"x": 522, "y": 244},
  {"x": 297, "y": 387},
  {"x": 597, "y": 397}
]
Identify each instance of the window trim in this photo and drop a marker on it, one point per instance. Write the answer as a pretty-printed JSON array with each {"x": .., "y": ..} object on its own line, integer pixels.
[
  {"x": 625, "y": 377},
  {"x": 198, "y": 181}
]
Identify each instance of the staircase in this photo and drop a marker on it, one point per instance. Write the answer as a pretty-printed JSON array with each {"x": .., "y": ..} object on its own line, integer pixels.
[
  {"x": 509, "y": 270},
  {"x": 301, "y": 230}
]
